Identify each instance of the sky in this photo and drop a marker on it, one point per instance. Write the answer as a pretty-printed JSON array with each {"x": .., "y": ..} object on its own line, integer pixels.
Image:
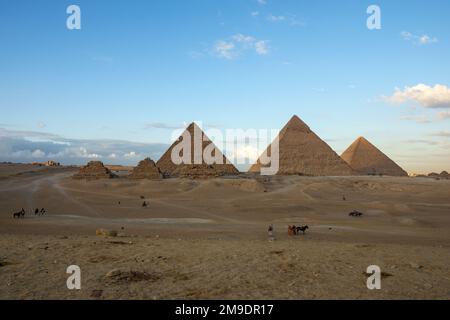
[{"x": 116, "y": 89}]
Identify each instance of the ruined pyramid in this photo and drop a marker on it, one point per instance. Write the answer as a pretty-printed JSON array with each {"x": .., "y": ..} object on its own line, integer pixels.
[
  {"x": 367, "y": 159},
  {"x": 195, "y": 166},
  {"x": 302, "y": 152},
  {"x": 94, "y": 170},
  {"x": 146, "y": 169}
]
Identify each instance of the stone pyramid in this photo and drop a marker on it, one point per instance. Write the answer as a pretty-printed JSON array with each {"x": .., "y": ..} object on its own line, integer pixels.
[
  {"x": 366, "y": 159},
  {"x": 196, "y": 165},
  {"x": 146, "y": 169},
  {"x": 94, "y": 170},
  {"x": 302, "y": 152}
]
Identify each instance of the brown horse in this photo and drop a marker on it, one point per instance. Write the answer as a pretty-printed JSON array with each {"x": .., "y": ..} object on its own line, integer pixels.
[{"x": 292, "y": 230}]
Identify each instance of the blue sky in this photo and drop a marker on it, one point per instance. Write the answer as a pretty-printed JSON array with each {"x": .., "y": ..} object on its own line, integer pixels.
[{"x": 136, "y": 69}]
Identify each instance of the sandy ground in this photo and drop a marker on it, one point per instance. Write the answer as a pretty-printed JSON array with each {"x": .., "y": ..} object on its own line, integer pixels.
[{"x": 207, "y": 239}]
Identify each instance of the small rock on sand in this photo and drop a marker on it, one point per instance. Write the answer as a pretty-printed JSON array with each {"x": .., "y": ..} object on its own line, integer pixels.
[
  {"x": 106, "y": 233},
  {"x": 415, "y": 265},
  {"x": 96, "y": 293},
  {"x": 113, "y": 273}
]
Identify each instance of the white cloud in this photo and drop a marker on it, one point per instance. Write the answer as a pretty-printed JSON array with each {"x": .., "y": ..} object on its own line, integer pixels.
[
  {"x": 417, "y": 118},
  {"x": 83, "y": 153},
  {"x": 237, "y": 44},
  {"x": 41, "y": 124},
  {"x": 225, "y": 49},
  {"x": 426, "y": 96},
  {"x": 254, "y": 13},
  {"x": 418, "y": 39},
  {"x": 261, "y": 47},
  {"x": 38, "y": 153},
  {"x": 444, "y": 115},
  {"x": 289, "y": 18},
  {"x": 261, "y": 2},
  {"x": 131, "y": 154},
  {"x": 243, "y": 38},
  {"x": 276, "y": 18},
  {"x": 445, "y": 134}
]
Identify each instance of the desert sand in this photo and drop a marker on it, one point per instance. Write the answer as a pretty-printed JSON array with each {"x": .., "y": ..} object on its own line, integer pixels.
[{"x": 207, "y": 239}]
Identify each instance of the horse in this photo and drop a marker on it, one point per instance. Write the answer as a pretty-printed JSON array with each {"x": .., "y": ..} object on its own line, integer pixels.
[
  {"x": 42, "y": 211},
  {"x": 20, "y": 214},
  {"x": 36, "y": 211},
  {"x": 302, "y": 229}
]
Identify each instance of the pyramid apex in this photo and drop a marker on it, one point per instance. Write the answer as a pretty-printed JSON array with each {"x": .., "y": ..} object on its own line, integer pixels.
[
  {"x": 193, "y": 126},
  {"x": 297, "y": 123}
]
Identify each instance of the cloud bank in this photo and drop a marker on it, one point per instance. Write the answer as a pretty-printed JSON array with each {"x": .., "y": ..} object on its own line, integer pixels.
[{"x": 30, "y": 146}]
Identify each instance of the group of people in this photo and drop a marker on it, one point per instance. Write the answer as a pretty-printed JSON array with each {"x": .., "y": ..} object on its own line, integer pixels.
[{"x": 38, "y": 212}]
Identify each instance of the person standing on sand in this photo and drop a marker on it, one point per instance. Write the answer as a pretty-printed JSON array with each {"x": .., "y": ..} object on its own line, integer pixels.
[{"x": 270, "y": 233}]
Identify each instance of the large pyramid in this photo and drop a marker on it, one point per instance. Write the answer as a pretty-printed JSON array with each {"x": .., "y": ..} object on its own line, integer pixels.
[
  {"x": 365, "y": 158},
  {"x": 146, "y": 169},
  {"x": 196, "y": 165},
  {"x": 302, "y": 152}
]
